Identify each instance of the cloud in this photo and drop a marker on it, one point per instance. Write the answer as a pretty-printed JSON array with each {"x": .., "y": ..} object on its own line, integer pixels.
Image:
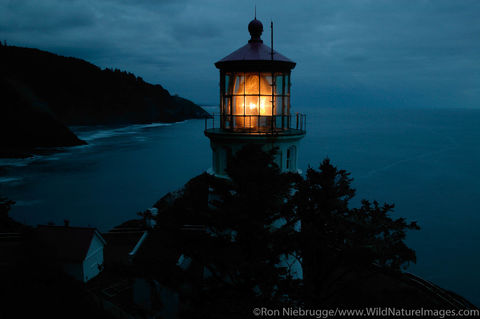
[
  {"x": 43, "y": 16},
  {"x": 382, "y": 52}
]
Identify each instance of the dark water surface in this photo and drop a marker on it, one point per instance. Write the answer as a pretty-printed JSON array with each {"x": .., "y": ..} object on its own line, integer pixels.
[{"x": 425, "y": 161}]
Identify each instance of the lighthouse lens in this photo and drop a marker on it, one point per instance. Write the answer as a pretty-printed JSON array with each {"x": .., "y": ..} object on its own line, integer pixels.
[{"x": 255, "y": 100}]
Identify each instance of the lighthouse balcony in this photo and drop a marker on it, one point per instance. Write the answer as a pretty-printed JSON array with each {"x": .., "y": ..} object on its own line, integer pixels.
[{"x": 256, "y": 124}]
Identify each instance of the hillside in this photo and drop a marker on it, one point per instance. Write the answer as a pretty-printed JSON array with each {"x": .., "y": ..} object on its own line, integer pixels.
[
  {"x": 26, "y": 123},
  {"x": 80, "y": 93},
  {"x": 43, "y": 92}
]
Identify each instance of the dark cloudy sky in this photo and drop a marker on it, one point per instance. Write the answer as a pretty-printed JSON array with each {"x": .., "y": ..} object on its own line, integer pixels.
[{"x": 348, "y": 52}]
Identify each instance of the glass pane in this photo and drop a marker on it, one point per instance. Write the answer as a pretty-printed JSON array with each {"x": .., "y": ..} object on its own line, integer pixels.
[
  {"x": 253, "y": 107},
  {"x": 266, "y": 105},
  {"x": 279, "y": 107},
  {"x": 266, "y": 83},
  {"x": 286, "y": 100},
  {"x": 237, "y": 105},
  {"x": 264, "y": 123},
  {"x": 279, "y": 84},
  {"x": 287, "y": 84},
  {"x": 226, "y": 105},
  {"x": 252, "y": 83},
  {"x": 227, "y": 82},
  {"x": 251, "y": 122},
  {"x": 239, "y": 85}
]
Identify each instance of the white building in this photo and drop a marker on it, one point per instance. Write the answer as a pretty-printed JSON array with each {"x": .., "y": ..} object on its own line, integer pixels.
[{"x": 78, "y": 250}]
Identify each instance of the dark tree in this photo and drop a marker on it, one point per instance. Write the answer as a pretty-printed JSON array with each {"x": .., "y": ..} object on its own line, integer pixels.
[
  {"x": 321, "y": 200},
  {"x": 334, "y": 236},
  {"x": 380, "y": 237},
  {"x": 7, "y": 224},
  {"x": 247, "y": 228},
  {"x": 254, "y": 225},
  {"x": 5, "y": 206}
]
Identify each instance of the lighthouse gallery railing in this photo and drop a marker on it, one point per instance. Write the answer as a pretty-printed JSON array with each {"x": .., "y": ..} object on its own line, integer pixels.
[{"x": 257, "y": 123}]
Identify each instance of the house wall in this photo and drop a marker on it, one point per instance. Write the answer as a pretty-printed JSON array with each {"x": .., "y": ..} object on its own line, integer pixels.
[
  {"x": 94, "y": 260},
  {"x": 74, "y": 269}
]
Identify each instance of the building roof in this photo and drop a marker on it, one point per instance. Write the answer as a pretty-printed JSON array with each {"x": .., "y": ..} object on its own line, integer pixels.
[
  {"x": 66, "y": 243},
  {"x": 255, "y": 54},
  {"x": 121, "y": 244}
]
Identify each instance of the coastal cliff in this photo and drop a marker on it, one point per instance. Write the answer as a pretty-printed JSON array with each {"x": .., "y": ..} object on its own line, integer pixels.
[
  {"x": 43, "y": 93},
  {"x": 26, "y": 123}
]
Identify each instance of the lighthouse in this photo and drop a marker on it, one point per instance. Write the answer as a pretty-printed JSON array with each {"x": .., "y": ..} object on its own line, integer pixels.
[{"x": 255, "y": 83}]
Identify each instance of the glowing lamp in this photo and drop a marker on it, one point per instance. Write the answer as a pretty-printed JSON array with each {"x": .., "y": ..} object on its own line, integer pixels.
[{"x": 255, "y": 86}]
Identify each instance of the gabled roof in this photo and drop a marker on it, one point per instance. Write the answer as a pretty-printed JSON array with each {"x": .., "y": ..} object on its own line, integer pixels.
[
  {"x": 66, "y": 243},
  {"x": 122, "y": 244}
]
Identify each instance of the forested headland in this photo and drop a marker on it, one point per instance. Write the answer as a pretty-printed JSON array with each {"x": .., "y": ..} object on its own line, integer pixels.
[{"x": 43, "y": 93}]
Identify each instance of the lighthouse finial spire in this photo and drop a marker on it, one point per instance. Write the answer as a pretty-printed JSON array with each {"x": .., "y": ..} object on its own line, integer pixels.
[{"x": 255, "y": 28}]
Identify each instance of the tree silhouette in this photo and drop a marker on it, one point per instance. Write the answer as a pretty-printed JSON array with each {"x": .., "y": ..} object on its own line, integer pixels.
[
  {"x": 245, "y": 226},
  {"x": 335, "y": 236},
  {"x": 5, "y": 206},
  {"x": 252, "y": 225},
  {"x": 7, "y": 224}
]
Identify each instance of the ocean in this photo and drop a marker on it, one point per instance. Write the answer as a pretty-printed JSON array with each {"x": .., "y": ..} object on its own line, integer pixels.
[{"x": 425, "y": 161}]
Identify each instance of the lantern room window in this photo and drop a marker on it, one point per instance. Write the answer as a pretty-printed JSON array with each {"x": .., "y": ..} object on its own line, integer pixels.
[{"x": 255, "y": 100}]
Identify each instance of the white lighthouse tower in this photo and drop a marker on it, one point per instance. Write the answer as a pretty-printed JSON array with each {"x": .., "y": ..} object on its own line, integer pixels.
[{"x": 255, "y": 105}]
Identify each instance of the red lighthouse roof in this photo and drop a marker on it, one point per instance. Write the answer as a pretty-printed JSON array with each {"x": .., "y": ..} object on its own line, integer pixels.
[{"x": 255, "y": 55}]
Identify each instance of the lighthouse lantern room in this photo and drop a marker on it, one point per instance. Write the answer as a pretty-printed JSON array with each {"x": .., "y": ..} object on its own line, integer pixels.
[{"x": 255, "y": 104}]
